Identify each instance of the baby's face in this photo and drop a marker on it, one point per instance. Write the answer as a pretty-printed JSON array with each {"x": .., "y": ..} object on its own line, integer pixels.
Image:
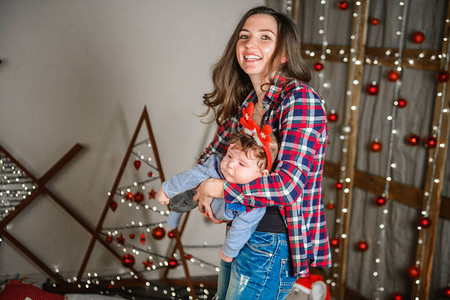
[{"x": 239, "y": 168}]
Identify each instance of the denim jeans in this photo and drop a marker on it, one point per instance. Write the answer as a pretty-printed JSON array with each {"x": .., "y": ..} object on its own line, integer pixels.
[{"x": 262, "y": 270}]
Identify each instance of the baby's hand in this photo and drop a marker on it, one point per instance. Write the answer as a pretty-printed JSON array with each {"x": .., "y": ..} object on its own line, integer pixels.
[
  {"x": 162, "y": 197},
  {"x": 224, "y": 257}
]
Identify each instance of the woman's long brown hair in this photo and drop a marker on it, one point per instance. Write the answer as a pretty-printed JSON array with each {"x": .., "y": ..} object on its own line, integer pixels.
[{"x": 232, "y": 84}]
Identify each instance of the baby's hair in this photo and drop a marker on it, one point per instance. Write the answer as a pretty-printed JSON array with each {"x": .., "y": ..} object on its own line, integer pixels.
[{"x": 247, "y": 143}]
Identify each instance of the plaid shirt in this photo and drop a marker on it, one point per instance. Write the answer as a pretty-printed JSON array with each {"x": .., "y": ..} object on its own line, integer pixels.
[{"x": 297, "y": 116}]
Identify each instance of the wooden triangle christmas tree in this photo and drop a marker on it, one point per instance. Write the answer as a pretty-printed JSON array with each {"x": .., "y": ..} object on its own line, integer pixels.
[{"x": 131, "y": 224}]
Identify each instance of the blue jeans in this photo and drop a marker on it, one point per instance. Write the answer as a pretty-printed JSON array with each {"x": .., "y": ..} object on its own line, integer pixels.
[{"x": 262, "y": 270}]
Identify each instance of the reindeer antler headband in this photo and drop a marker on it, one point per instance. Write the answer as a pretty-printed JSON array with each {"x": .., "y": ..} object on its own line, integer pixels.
[{"x": 262, "y": 137}]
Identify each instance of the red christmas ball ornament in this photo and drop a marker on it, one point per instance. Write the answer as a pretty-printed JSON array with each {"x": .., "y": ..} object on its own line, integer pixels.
[
  {"x": 418, "y": 37},
  {"x": 446, "y": 292},
  {"x": 393, "y": 75},
  {"x": 171, "y": 234},
  {"x": 424, "y": 222},
  {"x": 318, "y": 66},
  {"x": 442, "y": 76},
  {"x": 142, "y": 239},
  {"x": 188, "y": 256},
  {"x": 138, "y": 197},
  {"x": 413, "y": 272},
  {"x": 372, "y": 89},
  {"x": 158, "y": 233},
  {"x": 330, "y": 205},
  {"x": 380, "y": 200},
  {"x": 109, "y": 239},
  {"x": 397, "y": 296},
  {"x": 362, "y": 246},
  {"x": 137, "y": 164},
  {"x": 400, "y": 102},
  {"x": 334, "y": 242},
  {"x": 430, "y": 142},
  {"x": 343, "y": 5},
  {"x": 413, "y": 140},
  {"x": 374, "y": 21},
  {"x": 132, "y": 235},
  {"x": 127, "y": 260},
  {"x": 339, "y": 185},
  {"x": 150, "y": 174},
  {"x": 332, "y": 116},
  {"x": 172, "y": 263},
  {"x": 376, "y": 146}
]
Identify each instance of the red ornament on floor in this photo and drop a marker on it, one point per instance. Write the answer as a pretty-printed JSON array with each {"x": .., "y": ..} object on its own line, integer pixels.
[
  {"x": 424, "y": 222},
  {"x": 332, "y": 116},
  {"x": 442, "y": 76},
  {"x": 412, "y": 139},
  {"x": 318, "y": 66},
  {"x": 339, "y": 186},
  {"x": 172, "y": 263},
  {"x": 430, "y": 142},
  {"x": 380, "y": 201},
  {"x": 376, "y": 146},
  {"x": 188, "y": 256},
  {"x": 138, "y": 197},
  {"x": 362, "y": 246},
  {"x": 372, "y": 89},
  {"x": 137, "y": 164},
  {"x": 418, "y": 37},
  {"x": 374, "y": 21},
  {"x": 109, "y": 239},
  {"x": 401, "y": 102},
  {"x": 127, "y": 260},
  {"x": 414, "y": 272},
  {"x": 343, "y": 5},
  {"x": 393, "y": 75},
  {"x": 334, "y": 242},
  {"x": 397, "y": 296},
  {"x": 158, "y": 233},
  {"x": 150, "y": 174}
]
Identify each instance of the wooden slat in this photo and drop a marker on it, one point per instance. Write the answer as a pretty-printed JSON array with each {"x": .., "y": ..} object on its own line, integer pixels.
[
  {"x": 359, "y": 31},
  {"x": 435, "y": 171},
  {"x": 400, "y": 192}
]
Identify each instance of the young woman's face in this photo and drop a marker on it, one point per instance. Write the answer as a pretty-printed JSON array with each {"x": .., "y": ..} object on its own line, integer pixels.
[
  {"x": 256, "y": 45},
  {"x": 238, "y": 167}
]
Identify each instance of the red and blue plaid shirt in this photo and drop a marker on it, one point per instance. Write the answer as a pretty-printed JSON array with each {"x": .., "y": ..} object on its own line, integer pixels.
[{"x": 298, "y": 118}]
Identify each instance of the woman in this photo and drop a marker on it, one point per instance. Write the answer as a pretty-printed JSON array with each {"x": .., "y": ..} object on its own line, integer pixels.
[{"x": 262, "y": 64}]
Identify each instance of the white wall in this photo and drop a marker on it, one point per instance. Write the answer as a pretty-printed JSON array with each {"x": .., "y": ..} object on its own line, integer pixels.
[{"x": 82, "y": 72}]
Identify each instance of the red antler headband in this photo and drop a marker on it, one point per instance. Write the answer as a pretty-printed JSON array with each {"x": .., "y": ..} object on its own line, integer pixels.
[{"x": 262, "y": 137}]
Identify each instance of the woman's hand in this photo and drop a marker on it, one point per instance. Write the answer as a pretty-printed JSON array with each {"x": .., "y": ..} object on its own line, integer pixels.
[{"x": 206, "y": 192}]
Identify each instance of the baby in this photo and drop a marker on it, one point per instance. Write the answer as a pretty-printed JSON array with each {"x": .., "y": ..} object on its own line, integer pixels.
[{"x": 248, "y": 157}]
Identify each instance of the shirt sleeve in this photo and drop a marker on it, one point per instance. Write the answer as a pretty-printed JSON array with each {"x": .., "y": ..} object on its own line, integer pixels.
[
  {"x": 192, "y": 178},
  {"x": 302, "y": 126}
]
